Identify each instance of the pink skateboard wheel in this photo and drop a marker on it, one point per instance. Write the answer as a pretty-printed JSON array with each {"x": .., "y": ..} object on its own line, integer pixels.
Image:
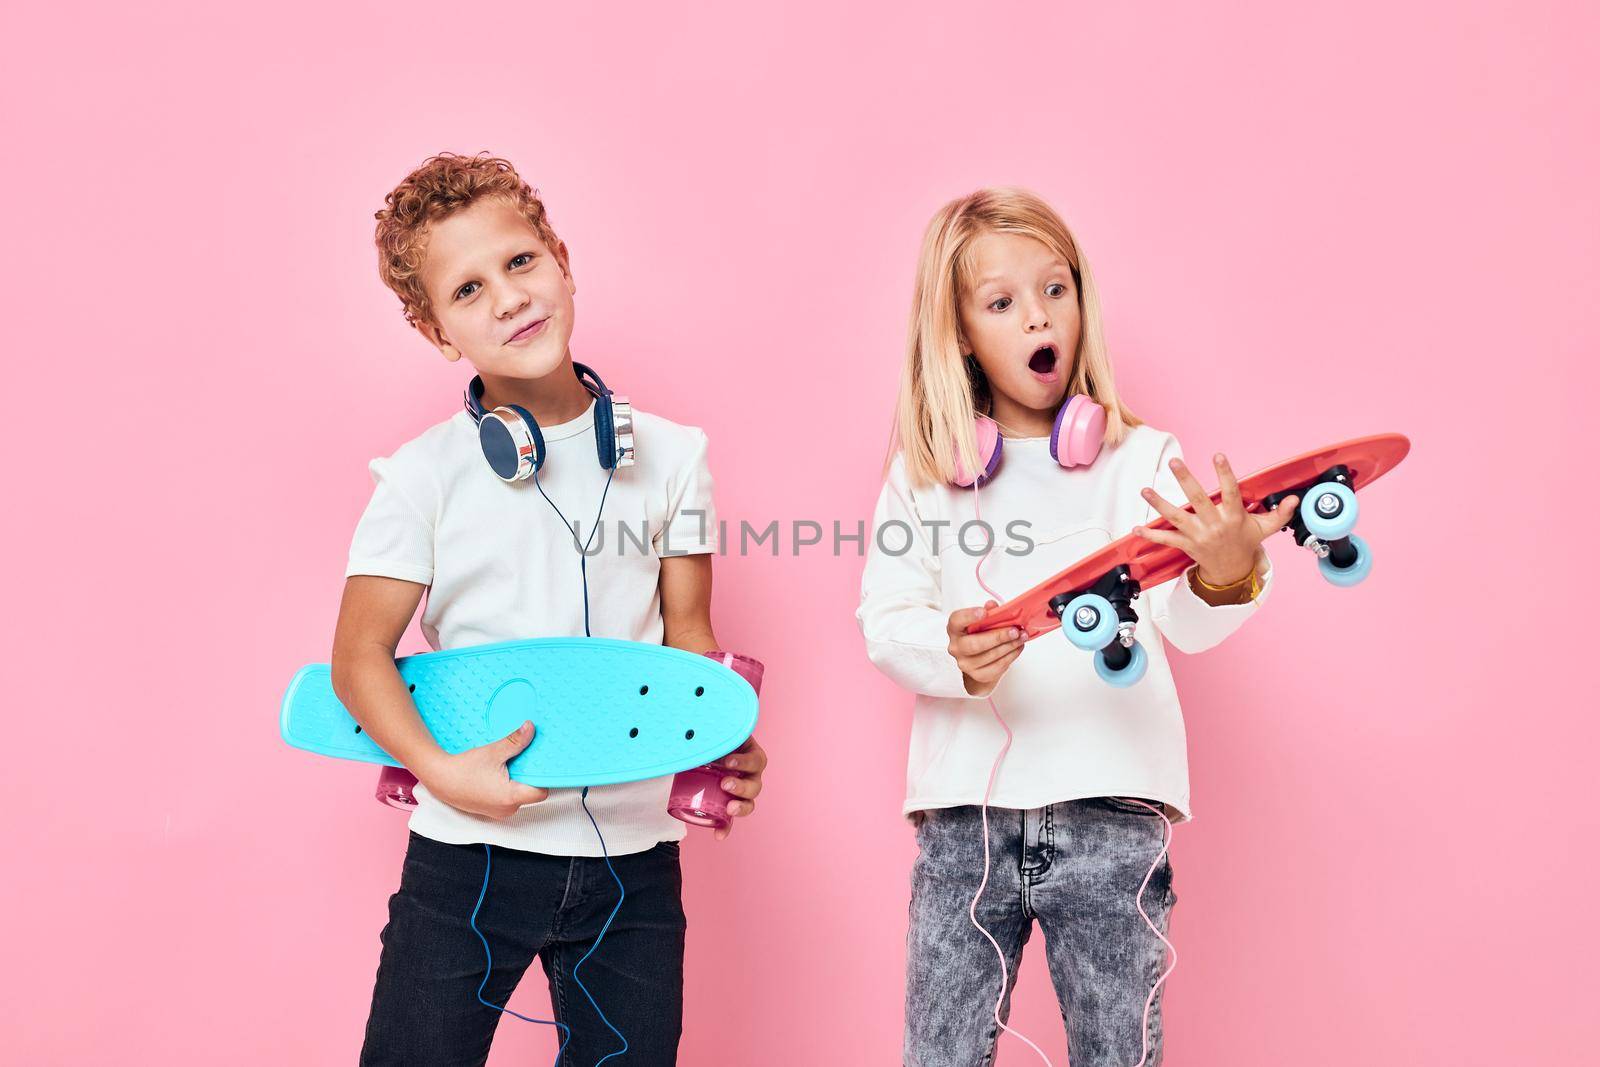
[
  {"x": 697, "y": 796},
  {"x": 396, "y": 787}
]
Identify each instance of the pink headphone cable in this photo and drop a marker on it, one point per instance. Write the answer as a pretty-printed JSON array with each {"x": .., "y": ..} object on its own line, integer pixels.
[
  {"x": 1138, "y": 898},
  {"x": 994, "y": 771},
  {"x": 1138, "y": 902}
]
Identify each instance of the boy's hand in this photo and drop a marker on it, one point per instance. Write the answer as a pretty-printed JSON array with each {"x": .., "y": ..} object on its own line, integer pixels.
[
  {"x": 1221, "y": 537},
  {"x": 477, "y": 780},
  {"x": 750, "y": 760},
  {"x": 984, "y": 657}
]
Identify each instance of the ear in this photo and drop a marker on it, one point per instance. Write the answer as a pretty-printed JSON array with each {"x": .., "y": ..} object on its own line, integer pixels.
[
  {"x": 437, "y": 339},
  {"x": 565, "y": 262}
]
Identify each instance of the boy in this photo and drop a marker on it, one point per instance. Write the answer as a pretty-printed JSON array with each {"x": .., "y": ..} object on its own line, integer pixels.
[{"x": 466, "y": 246}]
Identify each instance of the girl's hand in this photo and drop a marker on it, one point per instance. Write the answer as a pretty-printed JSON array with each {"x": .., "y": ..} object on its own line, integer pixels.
[
  {"x": 750, "y": 760},
  {"x": 984, "y": 657},
  {"x": 1221, "y": 537}
]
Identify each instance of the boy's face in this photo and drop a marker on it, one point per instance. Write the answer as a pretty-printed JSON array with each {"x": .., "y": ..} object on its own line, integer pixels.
[
  {"x": 500, "y": 297},
  {"x": 1021, "y": 319}
]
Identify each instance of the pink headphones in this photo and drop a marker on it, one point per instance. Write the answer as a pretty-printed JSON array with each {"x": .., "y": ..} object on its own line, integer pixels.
[{"x": 1075, "y": 439}]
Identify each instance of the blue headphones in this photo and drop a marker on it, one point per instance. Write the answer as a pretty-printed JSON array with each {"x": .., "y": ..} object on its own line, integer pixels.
[{"x": 514, "y": 447}]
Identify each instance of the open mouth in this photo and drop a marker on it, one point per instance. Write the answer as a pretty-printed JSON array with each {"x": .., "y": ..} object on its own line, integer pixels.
[{"x": 1043, "y": 360}]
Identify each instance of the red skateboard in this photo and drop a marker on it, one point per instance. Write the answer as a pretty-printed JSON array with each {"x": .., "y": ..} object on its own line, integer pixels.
[{"x": 1092, "y": 599}]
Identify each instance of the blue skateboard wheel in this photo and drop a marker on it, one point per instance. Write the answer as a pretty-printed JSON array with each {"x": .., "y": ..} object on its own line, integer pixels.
[
  {"x": 1354, "y": 574},
  {"x": 1089, "y": 621},
  {"x": 1128, "y": 675},
  {"x": 1329, "y": 511}
]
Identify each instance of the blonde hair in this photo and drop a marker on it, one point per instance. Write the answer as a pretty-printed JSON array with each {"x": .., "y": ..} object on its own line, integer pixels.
[{"x": 938, "y": 386}]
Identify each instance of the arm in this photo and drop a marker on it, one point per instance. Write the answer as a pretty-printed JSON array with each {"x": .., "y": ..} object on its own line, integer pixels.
[
  {"x": 909, "y": 636},
  {"x": 373, "y": 614},
  {"x": 686, "y": 602}
]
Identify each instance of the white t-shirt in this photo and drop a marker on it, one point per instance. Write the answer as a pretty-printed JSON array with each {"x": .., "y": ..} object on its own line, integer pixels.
[
  {"x": 501, "y": 566},
  {"x": 1075, "y": 736}
]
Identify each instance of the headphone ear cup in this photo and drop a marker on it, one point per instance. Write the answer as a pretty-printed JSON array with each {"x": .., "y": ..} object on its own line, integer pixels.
[
  {"x": 511, "y": 442},
  {"x": 990, "y": 445},
  {"x": 1079, "y": 432}
]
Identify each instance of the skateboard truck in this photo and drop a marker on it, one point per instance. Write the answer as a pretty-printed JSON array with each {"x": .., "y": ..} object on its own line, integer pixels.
[
  {"x": 1323, "y": 521},
  {"x": 1101, "y": 619}
]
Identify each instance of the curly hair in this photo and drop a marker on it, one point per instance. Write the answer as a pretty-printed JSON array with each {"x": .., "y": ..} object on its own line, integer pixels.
[{"x": 443, "y": 185}]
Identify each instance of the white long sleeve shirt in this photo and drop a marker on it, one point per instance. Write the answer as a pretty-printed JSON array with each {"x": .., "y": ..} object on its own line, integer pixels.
[{"x": 1075, "y": 736}]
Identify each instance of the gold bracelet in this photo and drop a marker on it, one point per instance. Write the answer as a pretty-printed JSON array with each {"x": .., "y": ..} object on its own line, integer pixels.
[
  {"x": 1230, "y": 587},
  {"x": 1253, "y": 578}
]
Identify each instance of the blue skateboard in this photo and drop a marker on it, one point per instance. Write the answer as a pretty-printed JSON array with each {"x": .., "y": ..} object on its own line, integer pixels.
[{"x": 604, "y": 711}]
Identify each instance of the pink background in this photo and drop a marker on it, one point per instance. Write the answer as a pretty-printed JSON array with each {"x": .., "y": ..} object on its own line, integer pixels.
[{"x": 1305, "y": 225}]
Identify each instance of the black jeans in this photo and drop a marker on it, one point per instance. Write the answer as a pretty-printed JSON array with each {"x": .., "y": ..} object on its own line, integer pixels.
[{"x": 425, "y": 1007}]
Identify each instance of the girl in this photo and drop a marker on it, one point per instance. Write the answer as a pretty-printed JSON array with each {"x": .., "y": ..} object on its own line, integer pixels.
[{"x": 1013, "y": 458}]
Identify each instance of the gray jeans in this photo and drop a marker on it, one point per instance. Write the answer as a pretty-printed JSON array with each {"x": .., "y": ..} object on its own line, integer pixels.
[{"x": 1074, "y": 866}]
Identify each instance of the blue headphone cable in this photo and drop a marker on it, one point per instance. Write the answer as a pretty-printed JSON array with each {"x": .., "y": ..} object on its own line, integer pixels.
[
  {"x": 566, "y": 1031},
  {"x": 622, "y": 894},
  {"x": 583, "y": 553},
  {"x": 488, "y": 966}
]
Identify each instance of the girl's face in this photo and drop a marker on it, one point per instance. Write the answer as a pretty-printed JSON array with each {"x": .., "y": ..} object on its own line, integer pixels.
[
  {"x": 1020, "y": 320},
  {"x": 501, "y": 297}
]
